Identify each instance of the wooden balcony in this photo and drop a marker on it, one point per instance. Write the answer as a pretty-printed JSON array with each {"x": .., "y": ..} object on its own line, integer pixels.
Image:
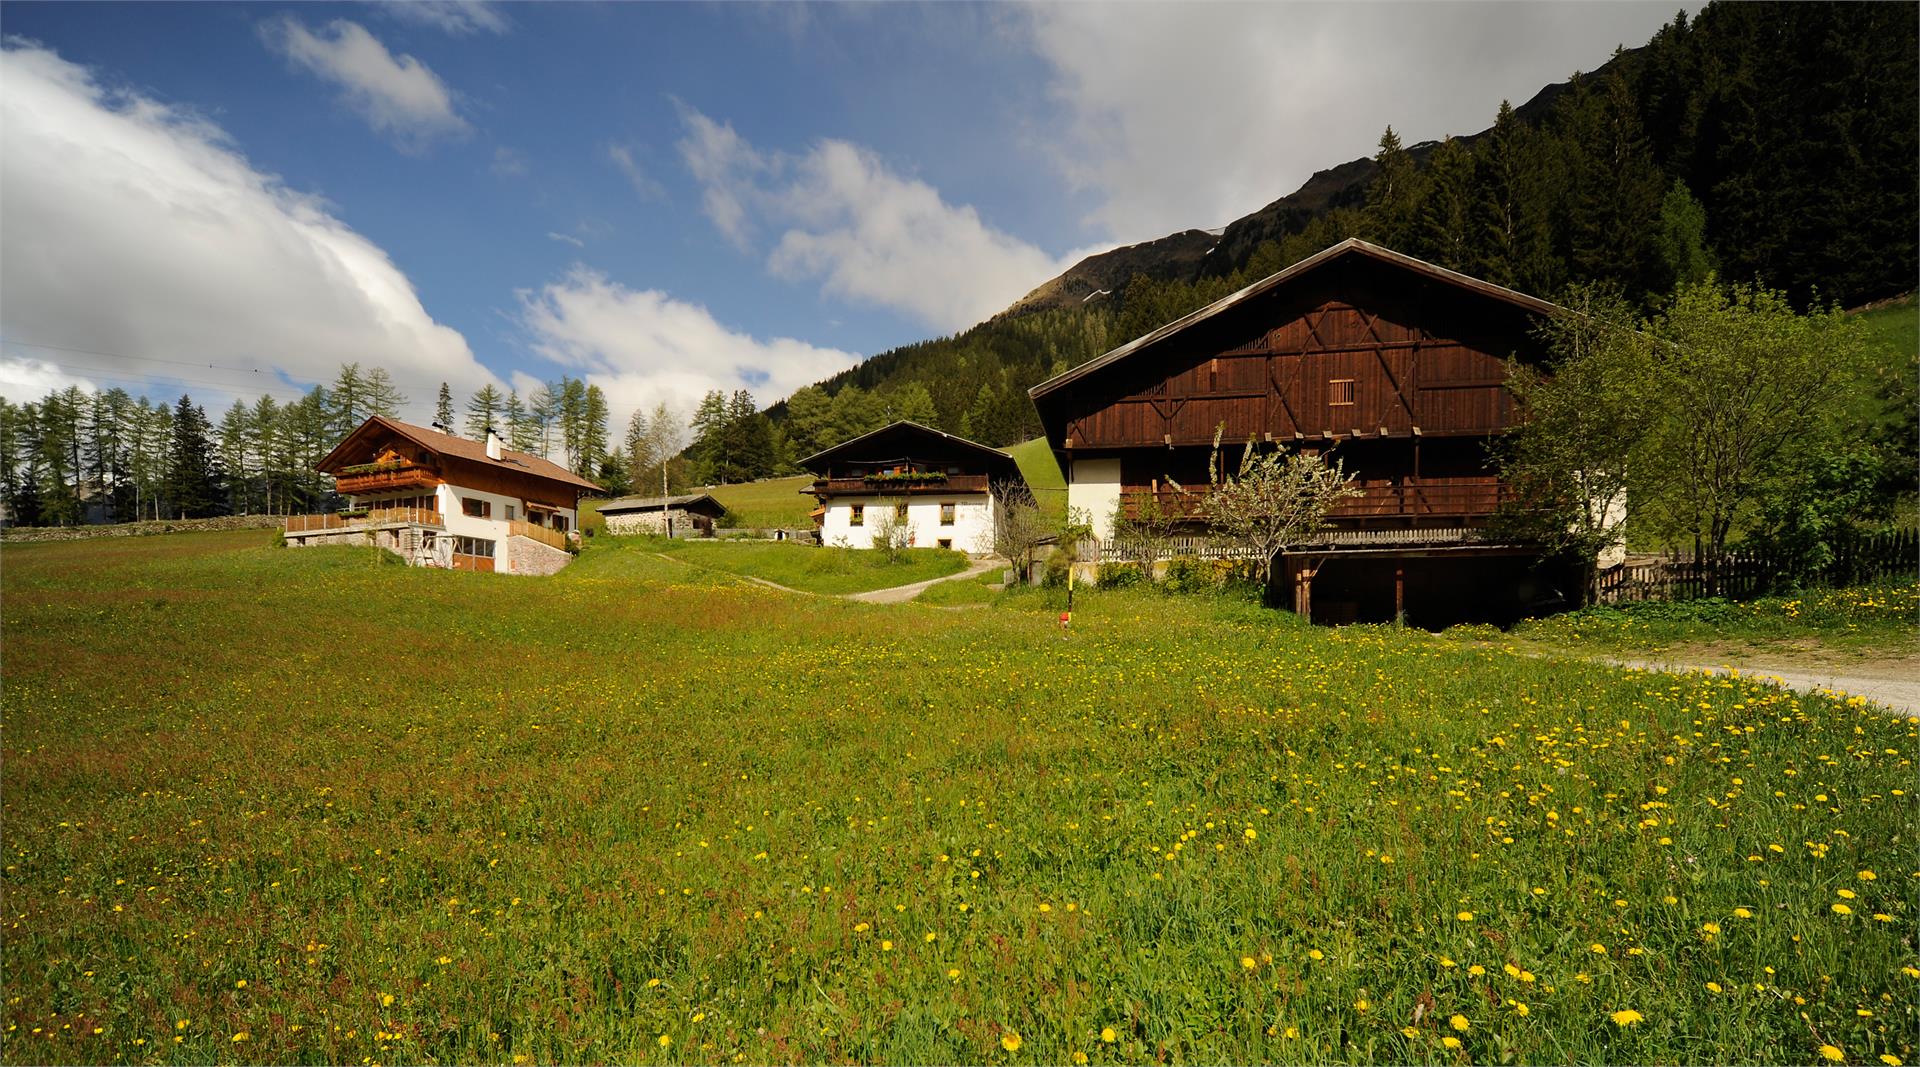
[
  {"x": 388, "y": 480},
  {"x": 1451, "y": 499},
  {"x": 372, "y": 519},
  {"x": 549, "y": 537},
  {"x": 950, "y": 485}
]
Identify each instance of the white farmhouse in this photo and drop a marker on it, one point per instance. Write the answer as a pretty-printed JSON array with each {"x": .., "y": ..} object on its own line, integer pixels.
[
  {"x": 438, "y": 500},
  {"x": 943, "y": 490}
]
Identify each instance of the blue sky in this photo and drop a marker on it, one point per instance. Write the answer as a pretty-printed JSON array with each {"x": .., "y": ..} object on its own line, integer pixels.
[{"x": 663, "y": 198}]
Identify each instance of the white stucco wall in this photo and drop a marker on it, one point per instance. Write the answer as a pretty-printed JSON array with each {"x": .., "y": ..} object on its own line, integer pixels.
[
  {"x": 495, "y": 528},
  {"x": 1093, "y": 486},
  {"x": 972, "y": 529}
]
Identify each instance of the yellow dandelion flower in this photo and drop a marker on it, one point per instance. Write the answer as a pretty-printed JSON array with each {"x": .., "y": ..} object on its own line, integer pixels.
[
  {"x": 1251, "y": 835},
  {"x": 1626, "y": 1017},
  {"x": 932, "y": 937},
  {"x": 1890, "y": 1059},
  {"x": 1847, "y": 894},
  {"x": 1842, "y": 909},
  {"x": 241, "y": 1036},
  {"x": 1010, "y": 1041},
  {"x": 665, "y": 1041},
  {"x": 444, "y": 960},
  {"x": 1713, "y": 987},
  {"x": 1882, "y": 917},
  {"x": 1450, "y": 1042},
  {"x": 886, "y": 946},
  {"x": 1465, "y": 916},
  {"x": 1742, "y": 913},
  {"x": 1476, "y": 970},
  {"x": 1107, "y": 1035},
  {"x": 1446, "y": 962},
  {"x": 1460, "y": 1023},
  {"x": 1833, "y": 1053},
  {"x": 1598, "y": 948},
  {"x": 1409, "y": 1032},
  {"x": 386, "y": 1000},
  {"x": 1362, "y": 1004},
  {"x": 1316, "y": 954},
  {"x": 1079, "y": 1057},
  {"x": 1866, "y": 876}
]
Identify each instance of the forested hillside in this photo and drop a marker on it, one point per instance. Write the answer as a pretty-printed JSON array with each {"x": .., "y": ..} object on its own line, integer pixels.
[{"x": 1775, "y": 143}]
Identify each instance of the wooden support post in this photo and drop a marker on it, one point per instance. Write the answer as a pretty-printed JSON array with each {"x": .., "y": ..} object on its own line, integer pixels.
[{"x": 1399, "y": 595}]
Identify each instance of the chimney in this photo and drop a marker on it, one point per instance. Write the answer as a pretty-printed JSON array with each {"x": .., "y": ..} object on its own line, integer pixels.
[{"x": 493, "y": 444}]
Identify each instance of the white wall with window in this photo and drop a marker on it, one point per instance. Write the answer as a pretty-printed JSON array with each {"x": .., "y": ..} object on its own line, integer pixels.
[{"x": 960, "y": 521}]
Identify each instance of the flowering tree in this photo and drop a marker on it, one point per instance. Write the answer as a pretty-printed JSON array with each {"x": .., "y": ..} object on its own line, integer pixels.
[{"x": 1277, "y": 498}]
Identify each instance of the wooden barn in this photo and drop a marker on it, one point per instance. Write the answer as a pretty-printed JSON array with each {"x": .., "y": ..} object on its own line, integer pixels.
[{"x": 1392, "y": 365}]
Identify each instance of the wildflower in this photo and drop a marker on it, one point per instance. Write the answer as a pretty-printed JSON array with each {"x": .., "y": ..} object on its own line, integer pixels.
[
  {"x": 241, "y": 1036},
  {"x": 1520, "y": 1008},
  {"x": 1445, "y": 962},
  {"x": 1742, "y": 913},
  {"x": 1833, "y": 1052},
  {"x": 1713, "y": 987},
  {"x": 1316, "y": 954},
  {"x": 1362, "y": 1004},
  {"x": 1450, "y": 1042},
  {"x": 1010, "y": 1041},
  {"x": 1079, "y": 1057},
  {"x": 386, "y": 1000},
  {"x": 860, "y": 928},
  {"x": 953, "y": 972},
  {"x": 1842, "y": 909},
  {"x": 665, "y": 1041},
  {"x": 1292, "y": 1032},
  {"x": 1626, "y": 1017},
  {"x": 931, "y": 937},
  {"x": 1866, "y": 876},
  {"x": 1847, "y": 894},
  {"x": 1248, "y": 962},
  {"x": 1107, "y": 1035},
  {"x": 241, "y": 984},
  {"x": 1409, "y": 1032},
  {"x": 886, "y": 946},
  {"x": 1882, "y": 917},
  {"x": 1598, "y": 948},
  {"x": 1476, "y": 970},
  {"x": 444, "y": 960},
  {"x": 1465, "y": 916},
  {"x": 1460, "y": 1023},
  {"x": 1250, "y": 834},
  {"x": 1890, "y": 1059}
]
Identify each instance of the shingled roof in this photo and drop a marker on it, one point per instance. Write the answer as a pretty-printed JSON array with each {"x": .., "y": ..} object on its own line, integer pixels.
[{"x": 446, "y": 444}]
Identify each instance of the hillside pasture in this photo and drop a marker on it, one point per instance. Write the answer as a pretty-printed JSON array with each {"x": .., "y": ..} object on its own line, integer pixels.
[
  {"x": 811, "y": 568},
  {"x": 268, "y": 805},
  {"x": 767, "y": 504}
]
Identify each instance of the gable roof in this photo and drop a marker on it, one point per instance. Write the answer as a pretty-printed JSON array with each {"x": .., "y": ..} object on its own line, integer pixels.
[
  {"x": 906, "y": 430},
  {"x": 1352, "y": 246},
  {"x": 446, "y": 444},
  {"x": 684, "y": 501}
]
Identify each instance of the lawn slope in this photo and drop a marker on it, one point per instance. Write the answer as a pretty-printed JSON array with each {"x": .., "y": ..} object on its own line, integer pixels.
[{"x": 269, "y": 805}]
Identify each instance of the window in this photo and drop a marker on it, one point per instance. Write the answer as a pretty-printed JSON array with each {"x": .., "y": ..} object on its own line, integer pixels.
[
  {"x": 479, "y": 509},
  {"x": 509, "y": 512},
  {"x": 473, "y": 546},
  {"x": 899, "y": 511},
  {"x": 945, "y": 542},
  {"x": 946, "y": 512},
  {"x": 859, "y": 515},
  {"x": 560, "y": 523},
  {"x": 1340, "y": 391}
]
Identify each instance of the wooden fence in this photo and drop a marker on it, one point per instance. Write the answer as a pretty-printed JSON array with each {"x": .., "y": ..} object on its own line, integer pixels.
[
  {"x": 371, "y": 517},
  {"x": 1747, "y": 573}
]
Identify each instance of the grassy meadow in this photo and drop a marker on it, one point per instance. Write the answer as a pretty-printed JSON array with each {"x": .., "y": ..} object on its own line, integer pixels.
[
  {"x": 301, "y": 805},
  {"x": 772, "y": 502},
  {"x": 1874, "y": 620},
  {"x": 812, "y": 569}
]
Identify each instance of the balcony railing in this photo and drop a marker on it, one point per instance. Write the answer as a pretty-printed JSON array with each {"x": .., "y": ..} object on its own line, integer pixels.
[
  {"x": 548, "y": 537},
  {"x": 951, "y": 484},
  {"x": 369, "y": 519},
  {"x": 405, "y": 476},
  {"x": 1410, "y": 499}
]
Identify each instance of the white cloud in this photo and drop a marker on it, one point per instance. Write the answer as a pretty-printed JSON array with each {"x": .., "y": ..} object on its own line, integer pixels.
[
  {"x": 1191, "y": 115},
  {"x": 867, "y": 234},
  {"x": 462, "y": 18},
  {"x": 131, "y": 227},
  {"x": 566, "y": 238},
  {"x": 398, "y": 96},
  {"x": 642, "y": 182},
  {"x": 644, "y": 346}
]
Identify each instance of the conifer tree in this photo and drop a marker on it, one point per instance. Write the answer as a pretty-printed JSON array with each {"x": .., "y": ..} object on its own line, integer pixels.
[
  {"x": 443, "y": 410},
  {"x": 1392, "y": 214},
  {"x": 483, "y": 410}
]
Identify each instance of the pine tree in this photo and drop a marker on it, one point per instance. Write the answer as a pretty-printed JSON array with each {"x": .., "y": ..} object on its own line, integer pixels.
[
  {"x": 1513, "y": 179},
  {"x": 593, "y": 430},
  {"x": 483, "y": 410},
  {"x": 1392, "y": 214},
  {"x": 350, "y": 400},
  {"x": 193, "y": 477},
  {"x": 383, "y": 397},
  {"x": 235, "y": 451},
  {"x": 443, "y": 411},
  {"x": 544, "y": 408},
  {"x": 1614, "y": 200},
  {"x": 1445, "y": 229},
  {"x": 709, "y": 427},
  {"x": 638, "y": 443}
]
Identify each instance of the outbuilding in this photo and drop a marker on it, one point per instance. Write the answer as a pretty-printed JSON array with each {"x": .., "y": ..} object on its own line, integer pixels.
[{"x": 686, "y": 515}]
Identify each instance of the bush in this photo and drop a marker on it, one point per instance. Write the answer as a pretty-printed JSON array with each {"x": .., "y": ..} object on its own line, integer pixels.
[{"x": 1120, "y": 575}]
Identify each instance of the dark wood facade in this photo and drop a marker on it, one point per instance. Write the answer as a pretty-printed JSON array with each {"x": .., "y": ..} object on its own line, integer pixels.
[
  {"x": 906, "y": 459},
  {"x": 1393, "y": 366}
]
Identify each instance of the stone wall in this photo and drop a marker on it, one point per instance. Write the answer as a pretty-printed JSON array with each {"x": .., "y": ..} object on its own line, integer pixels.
[
  {"x": 142, "y": 529},
  {"x": 527, "y": 556}
]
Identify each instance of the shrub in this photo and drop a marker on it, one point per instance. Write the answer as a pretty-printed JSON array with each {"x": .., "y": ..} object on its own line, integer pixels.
[{"x": 1120, "y": 575}]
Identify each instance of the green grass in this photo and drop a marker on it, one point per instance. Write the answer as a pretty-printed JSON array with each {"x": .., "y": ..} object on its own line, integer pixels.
[
  {"x": 774, "y": 502},
  {"x": 436, "y": 816},
  {"x": 1873, "y": 618},
  {"x": 815, "y": 569},
  {"x": 982, "y": 589},
  {"x": 1043, "y": 475}
]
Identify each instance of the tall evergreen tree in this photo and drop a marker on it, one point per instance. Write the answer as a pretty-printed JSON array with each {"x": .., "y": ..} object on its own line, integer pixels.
[
  {"x": 1614, "y": 200},
  {"x": 194, "y": 487},
  {"x": 483, "y": 411},
  {"x": 350, "y": 400},
  {"x": 1514, "y": 177},
  {"x": 1444, "y": 233},
  {"x": 384, "y": 398},
  {"x": 1392, "y": 214},
  {"x": 443, "y": 410}
]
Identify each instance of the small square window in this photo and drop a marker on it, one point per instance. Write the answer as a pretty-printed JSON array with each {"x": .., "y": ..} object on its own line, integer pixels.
[
  {"x": 479, "y": 509},
  {"x": 946, "y": 513},
  {"x": 510, "y": 512},
  {"x": 859, "y": 515},
  {"x": 1340, "y": 391}
]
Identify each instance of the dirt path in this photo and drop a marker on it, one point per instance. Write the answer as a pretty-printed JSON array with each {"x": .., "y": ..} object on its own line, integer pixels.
[
  {"x": 901, "y": 593},
  {"x": 894, "y": 595}
]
